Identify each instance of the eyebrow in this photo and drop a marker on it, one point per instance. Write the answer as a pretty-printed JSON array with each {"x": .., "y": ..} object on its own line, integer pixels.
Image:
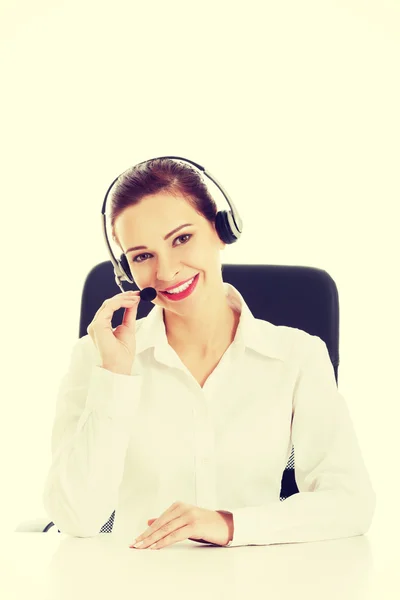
[{"x": 165, "y": 238}]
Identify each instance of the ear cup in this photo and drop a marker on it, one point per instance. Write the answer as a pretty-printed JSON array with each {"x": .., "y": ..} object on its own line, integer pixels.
[
  {"x": 226, "y": 227},
  {"x": 124, "y": 266}
]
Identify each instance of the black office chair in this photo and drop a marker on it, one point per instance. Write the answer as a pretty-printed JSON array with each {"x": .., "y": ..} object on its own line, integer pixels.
[{"x": 301, "y": 297}]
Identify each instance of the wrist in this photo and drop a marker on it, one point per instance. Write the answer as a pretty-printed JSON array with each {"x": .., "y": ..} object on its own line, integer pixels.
[{"x": 228, "y": 518}]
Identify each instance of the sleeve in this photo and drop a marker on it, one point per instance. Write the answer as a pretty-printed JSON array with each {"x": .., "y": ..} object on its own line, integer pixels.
[
  {"x": 336, "y": 498},
  {"x": 89, "y": 441}
]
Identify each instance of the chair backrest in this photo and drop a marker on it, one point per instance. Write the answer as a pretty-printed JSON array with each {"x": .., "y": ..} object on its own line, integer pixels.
[{"x": 296, "y": 296}]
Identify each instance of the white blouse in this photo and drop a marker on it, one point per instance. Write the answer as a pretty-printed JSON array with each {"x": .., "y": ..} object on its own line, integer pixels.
[{"x": 138, "y": 443}]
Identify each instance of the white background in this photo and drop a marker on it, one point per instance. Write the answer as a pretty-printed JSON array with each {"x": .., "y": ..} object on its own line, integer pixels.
[{"x": 293, "y": 106}]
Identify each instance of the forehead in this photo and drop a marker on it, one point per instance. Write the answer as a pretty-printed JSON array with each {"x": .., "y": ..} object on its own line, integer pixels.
[{"x": 158, "y": 213}]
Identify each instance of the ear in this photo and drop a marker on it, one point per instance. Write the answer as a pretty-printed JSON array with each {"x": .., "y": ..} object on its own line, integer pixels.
[{"x": 220, "y": 243}]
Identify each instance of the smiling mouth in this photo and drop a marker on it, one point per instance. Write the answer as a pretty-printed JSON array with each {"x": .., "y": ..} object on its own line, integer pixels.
[
  {"x": 188, "y": 288},
  {"x": 179, "y": 288}
]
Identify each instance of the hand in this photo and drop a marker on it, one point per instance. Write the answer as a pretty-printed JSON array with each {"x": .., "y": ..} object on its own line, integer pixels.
[
  {"x": 182, "y": 520},
  {"x": 117, "y": 347}
]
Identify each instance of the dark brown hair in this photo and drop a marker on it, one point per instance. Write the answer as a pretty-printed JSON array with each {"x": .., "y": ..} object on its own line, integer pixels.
[{"x": 156, "y": 175}]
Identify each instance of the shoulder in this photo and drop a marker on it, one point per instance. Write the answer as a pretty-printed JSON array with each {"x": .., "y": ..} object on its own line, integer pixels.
[
  {"x": 288, "y": 343},
  {"x": 85, "y": 350}
]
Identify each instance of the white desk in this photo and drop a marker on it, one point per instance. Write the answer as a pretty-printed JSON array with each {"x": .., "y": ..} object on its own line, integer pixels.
[{"x": 59, "y": 567}]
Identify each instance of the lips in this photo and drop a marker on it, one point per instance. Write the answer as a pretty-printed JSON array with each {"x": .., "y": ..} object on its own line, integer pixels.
[
  {"x": 188, "y": 291},
  {"x": 178, "y": 284}
]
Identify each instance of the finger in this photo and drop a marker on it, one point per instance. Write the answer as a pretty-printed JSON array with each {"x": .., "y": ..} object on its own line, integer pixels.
[
  {"x": 179, "y": 535},
  {"x": 171, "y": 513},
  {"x": 109, "y": 306},
  {"x": 170, "y": 531},
  {"x": 130, "y": 313}
]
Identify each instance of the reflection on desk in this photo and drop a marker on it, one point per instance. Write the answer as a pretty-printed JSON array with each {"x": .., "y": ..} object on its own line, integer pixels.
[{"x": 63, "y": 567}]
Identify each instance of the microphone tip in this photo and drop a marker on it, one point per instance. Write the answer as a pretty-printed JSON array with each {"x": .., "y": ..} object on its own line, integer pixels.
[{"x": 148, "y": 294}]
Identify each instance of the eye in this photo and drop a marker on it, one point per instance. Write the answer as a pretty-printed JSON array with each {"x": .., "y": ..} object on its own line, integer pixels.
[
  {"x": 189, "y": 235},
  {"x": 186, "y": 235},
  {"x": 135, "y": 259}
]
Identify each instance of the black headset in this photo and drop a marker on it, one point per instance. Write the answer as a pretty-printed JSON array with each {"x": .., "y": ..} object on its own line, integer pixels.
[{"x": 228, "y": 224}]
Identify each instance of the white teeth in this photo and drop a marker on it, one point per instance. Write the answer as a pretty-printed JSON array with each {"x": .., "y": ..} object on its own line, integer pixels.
[{"x": 181, "y": 288}]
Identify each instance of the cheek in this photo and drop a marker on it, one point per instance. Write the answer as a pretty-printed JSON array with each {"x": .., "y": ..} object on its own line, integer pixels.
[
  {"x": 203, "y": 256},
  {"x": 195, "y": 252},
  {"x": 141, "y": 274}
]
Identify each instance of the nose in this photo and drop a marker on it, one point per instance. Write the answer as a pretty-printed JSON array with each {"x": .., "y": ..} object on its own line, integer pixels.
[{"x": 166, "y": 272}]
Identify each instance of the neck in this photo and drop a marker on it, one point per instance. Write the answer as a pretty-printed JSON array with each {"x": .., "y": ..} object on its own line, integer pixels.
[{"x": 203, "y": 332}]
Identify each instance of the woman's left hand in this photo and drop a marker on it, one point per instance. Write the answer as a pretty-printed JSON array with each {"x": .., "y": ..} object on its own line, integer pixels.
[{"x": 183, "y": 521}]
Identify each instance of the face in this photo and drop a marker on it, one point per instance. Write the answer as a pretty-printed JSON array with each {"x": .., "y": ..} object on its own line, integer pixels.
[{"x": 193, "y": 250}]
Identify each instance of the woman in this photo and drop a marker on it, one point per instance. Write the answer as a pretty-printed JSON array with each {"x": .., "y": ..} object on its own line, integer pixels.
[{"x": 189, "y": 415}]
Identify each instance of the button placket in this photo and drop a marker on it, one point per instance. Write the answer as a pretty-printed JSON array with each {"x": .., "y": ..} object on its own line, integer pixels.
[{"x": 204, "y": 456}]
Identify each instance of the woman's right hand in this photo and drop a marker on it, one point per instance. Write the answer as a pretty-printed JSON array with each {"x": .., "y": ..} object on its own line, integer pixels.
[{"x": 117, "y": 347}]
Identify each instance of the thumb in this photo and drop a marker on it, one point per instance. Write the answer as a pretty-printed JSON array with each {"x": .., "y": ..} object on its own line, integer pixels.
[{"x": 130, "y": 315}]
